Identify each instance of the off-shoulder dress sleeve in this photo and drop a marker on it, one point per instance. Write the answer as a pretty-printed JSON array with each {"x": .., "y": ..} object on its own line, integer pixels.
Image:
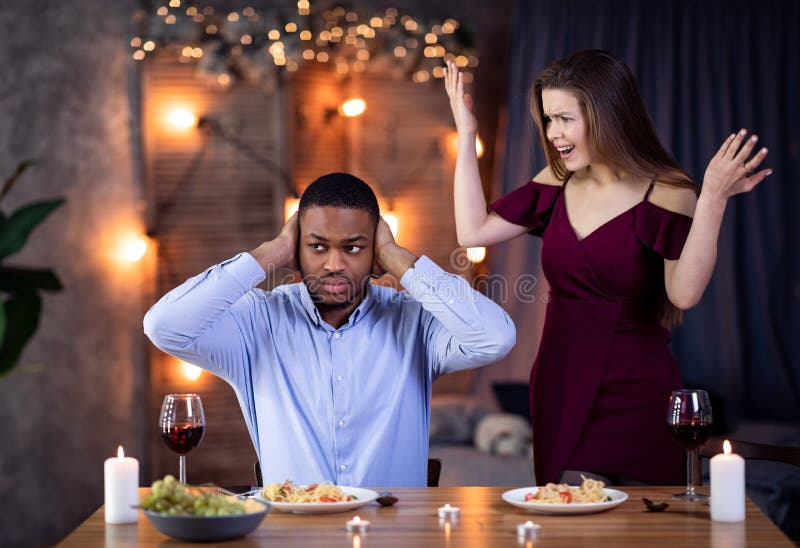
[
  {"x": 661, "y": 230},
  {"x": 531, "y": 205}
]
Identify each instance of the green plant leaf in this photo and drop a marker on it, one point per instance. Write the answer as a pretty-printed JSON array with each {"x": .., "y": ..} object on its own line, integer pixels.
[
  {"x": 17, "y": 280},
  {"x": 15, "y": 176},
  {"x": 22, "y": 318},
  {"x": 15, "y": 230}
]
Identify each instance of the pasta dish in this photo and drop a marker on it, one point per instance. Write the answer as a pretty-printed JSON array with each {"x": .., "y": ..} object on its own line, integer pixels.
[
  {"x": 589, "y": 491},
  {"x": 314, "y": 493}
]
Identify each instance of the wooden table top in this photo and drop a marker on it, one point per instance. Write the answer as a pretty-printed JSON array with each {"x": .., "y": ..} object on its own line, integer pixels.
[{"x": 486, "y": 522}]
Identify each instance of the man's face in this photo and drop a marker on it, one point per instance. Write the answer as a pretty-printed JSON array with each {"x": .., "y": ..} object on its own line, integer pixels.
[{"x": 335, "y": 254}]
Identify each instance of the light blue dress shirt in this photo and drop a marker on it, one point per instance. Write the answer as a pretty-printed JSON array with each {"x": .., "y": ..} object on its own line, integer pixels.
[{"x": 348, "y": 405}]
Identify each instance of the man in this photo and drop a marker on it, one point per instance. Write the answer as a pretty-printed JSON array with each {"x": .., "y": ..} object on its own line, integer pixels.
[{"x": 333, "y": 374}]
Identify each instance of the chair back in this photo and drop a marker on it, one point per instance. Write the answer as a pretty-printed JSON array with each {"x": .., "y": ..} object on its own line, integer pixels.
[{"x": 752, "y": 450}]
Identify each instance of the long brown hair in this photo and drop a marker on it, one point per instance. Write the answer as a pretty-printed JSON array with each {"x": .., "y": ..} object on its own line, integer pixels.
[{"x": 620, "y": 130}]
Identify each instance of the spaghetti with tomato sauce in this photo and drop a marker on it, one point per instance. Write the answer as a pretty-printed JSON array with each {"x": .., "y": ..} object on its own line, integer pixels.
[
  {"x": 589, "y": 491},
  {"x": 314, "y": 493}
]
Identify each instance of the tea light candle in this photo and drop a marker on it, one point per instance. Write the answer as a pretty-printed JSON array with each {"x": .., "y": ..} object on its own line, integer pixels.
[
  {"x": 727, "y": 486},
  {"x": 528, "y": 530},
  {"x": 357, "y": 525},
  {"x": 449, "y": 512},
  {"x": 121, "y": 479}
]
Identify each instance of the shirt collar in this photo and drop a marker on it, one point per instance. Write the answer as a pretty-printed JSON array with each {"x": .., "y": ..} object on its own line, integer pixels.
[{"x": 357, "y": 314}]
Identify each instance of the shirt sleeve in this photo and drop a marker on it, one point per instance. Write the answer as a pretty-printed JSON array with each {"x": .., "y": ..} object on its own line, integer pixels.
[
  {"x": 462, "y": 328},
  {"x": 204, "y": 320}
]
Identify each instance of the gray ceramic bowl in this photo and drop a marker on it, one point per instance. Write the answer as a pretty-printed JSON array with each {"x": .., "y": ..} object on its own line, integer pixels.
[{"x": 210, "y": 528}]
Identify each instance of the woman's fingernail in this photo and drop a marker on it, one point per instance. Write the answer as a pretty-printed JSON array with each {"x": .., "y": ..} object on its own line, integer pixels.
[
  {"x": 769, "y": 172},
  {"x": 742, "y": 132},
  {"x": 764, "y": 150},
  {"x": 754, "y": 138}
]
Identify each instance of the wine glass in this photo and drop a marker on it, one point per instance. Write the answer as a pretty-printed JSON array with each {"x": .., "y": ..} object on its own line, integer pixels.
[
  {"x": 181, "y": 425},
  {"x": 689, "y": 421}
]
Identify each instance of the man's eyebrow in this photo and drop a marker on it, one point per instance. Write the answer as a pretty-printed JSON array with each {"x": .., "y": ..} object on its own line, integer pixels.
[{"x": 345, "y": 240}]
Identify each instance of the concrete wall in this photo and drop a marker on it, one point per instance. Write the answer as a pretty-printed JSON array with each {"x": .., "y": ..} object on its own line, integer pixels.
[{"x": 65, "y": 71}]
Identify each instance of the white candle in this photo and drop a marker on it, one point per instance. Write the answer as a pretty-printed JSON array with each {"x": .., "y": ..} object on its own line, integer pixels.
[
  {"x": 121, "y": 477},
  {"x": 449, "y": 512},
  {"x": 727, "y": 486},
  {"x": 357, "y": 525},
  {"x": 528, "y": 530}
]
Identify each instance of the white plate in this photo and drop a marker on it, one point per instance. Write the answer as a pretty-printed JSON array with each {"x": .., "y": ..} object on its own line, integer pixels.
[
  {"x": 362, "y": 497},
  {"x": 517, "y": 498}
]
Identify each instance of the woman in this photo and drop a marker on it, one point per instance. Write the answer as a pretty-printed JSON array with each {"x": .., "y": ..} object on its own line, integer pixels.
[{"x": 623, "y": 257}]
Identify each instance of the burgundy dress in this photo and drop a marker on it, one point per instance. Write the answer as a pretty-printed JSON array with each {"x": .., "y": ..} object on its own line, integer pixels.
[{"x": 603, "y": 374}]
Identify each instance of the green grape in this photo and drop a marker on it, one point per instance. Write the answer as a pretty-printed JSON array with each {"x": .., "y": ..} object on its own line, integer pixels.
[{"x": 174, "y": 498}]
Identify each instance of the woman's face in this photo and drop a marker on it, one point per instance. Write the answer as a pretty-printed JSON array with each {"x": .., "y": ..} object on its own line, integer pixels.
[{"x": 566, "y": 128}]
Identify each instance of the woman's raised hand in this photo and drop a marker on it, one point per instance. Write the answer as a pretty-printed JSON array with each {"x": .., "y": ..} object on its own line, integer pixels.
[
  {"x": 732, "y": 170},
  {"x": 460, "y": 102}
]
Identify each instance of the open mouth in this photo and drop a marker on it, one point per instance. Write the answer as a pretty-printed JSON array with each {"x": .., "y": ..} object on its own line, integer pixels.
[{"x": 565, "y": 150}]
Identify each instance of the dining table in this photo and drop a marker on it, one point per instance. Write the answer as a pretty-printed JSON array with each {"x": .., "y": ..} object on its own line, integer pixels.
[{"x": 485, "y": 521}]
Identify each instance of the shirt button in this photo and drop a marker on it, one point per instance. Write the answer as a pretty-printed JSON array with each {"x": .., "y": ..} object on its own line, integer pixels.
[
  {"x": 339, "y": 378},
  {"x": 337, "y": 336},
  {"x": 341, "y": 423},
  {"x": 342, "y": 467}
]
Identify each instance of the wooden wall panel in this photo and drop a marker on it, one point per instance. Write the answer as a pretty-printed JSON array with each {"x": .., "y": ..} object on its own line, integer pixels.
[{"x": 208, "y": 199}]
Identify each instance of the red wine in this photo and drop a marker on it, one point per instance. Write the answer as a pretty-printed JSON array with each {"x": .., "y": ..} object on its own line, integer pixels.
[
  {"x": 182, "y": 438},
  {"x": 691, "y": 435}
]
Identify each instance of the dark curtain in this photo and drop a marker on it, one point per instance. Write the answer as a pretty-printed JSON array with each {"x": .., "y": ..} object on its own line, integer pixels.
[{"x": 705, "y": 69}]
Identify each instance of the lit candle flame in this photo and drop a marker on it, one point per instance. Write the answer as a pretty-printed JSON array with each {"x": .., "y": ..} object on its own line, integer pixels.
[
  {"x": 726, "y": 447},
  {"x": 356, "y": 520},
  {"x": 120, "y": 453},
  {"x": 447, "y": 507},
  {"x": 528, "y": 524}
]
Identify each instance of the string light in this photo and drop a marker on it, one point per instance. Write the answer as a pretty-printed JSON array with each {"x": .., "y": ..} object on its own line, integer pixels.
[{"x": 343, "y": 36}]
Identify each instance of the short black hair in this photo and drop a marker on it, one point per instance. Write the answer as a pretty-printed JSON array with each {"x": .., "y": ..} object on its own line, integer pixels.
[{"x": 340, "y": 190}]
